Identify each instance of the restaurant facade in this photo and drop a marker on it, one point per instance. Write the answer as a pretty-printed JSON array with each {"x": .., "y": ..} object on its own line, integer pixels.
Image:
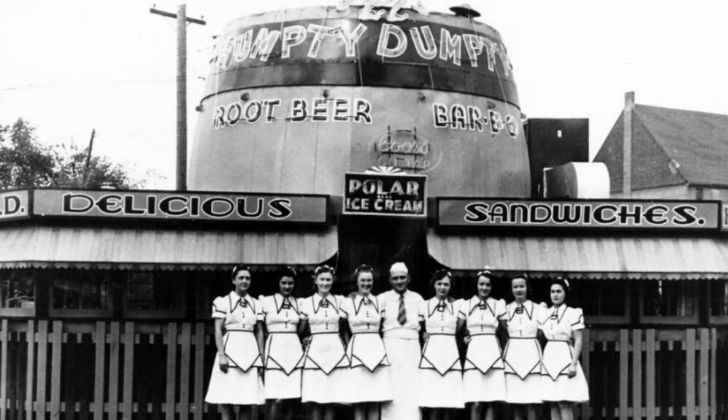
[{"x": 334, "y": 135}]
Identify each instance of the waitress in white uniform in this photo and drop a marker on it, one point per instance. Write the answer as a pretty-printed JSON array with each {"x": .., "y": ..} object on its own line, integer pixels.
[
  {"x": 324, "y": 379},
  {"x": 563, "y": 379},
  {"x": 483, "y": 378},
  {"x": 283, "y": 352},
  {"x": 522, "y": 355},
  {"x": 441, "y": 377},
  {"x": 235, "y": 379},
  {"x": 369, "y": 376}
]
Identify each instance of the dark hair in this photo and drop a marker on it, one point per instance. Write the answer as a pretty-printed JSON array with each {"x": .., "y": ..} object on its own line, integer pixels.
[
  {"x": 287, "y": 272},
  {"x": 323, "y": 269},
  {"x": 564, "y": 285},
  {"x": 485, "y": 272},
  {"x": 439, "y": 275},
  {"x": 239, "y": 268},
  {"x": 363, "y": 268}
]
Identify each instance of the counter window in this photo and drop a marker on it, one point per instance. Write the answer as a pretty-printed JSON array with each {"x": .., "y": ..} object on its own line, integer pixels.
[
  {"x": 669, "y": 301},
  {"x": 80, "y": 293},
  {"x": 603, "y": 301},
  {"x": 718, "y": 298},
  {"x": 17, "y": 293},
  {"x": 154, "y": 292}
]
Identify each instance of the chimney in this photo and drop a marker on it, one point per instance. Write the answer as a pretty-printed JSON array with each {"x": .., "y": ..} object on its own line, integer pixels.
[{"x": 627, "y": 144}]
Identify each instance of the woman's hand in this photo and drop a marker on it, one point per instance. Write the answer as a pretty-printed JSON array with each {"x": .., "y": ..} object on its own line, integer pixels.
[
  {"x": 425, "y": 337},
  {"x": 306, "y": 341},
  {"x": 466, "y": 339},
  {"x": 222, "y": 362},
  {"x": 572, "y": 370}
]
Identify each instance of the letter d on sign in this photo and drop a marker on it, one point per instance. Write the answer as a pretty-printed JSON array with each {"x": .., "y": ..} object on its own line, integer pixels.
[
  {"x": 77, "y": 203},
  {"x": 11, "y": 204}
]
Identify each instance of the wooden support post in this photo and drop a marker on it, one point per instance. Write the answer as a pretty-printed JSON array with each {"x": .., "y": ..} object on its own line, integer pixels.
[
  {"x": 114, "y": 345},
  {"x": 623, "y": 374},
  {"x": 170, "y": 404},
  {"x": 99, "y": 370},
  {"x": 713, "y": 373},
  {"x": 184, "y": 371},
  {"x": 199, "y": 401},
  {"x": 585, "y": 350},
  {"x": 30, "y": 363},
  {"x": 128, "y": 376},
  {"x": 637, "y": 373},
  {"x": 650, "y": 370},
  {"x": 690, "y": 374},
  {"x": 56, "y": 348},
  {"x": 42, "y": 363},
  {"x": 704, "y": 374},
  {"x": 3, "y": 368}
]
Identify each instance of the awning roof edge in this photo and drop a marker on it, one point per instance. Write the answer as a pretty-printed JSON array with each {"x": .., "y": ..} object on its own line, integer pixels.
[
  {"x": 166, "y": 249},
  {"x": 602, "y": 257}
]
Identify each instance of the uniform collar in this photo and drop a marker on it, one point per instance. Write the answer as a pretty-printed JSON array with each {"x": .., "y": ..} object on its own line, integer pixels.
[
  {"x": 279, "y": 300},
  {"x": 360, "y": 300},
  {"x": 527, "y": 308},
  {"x": 560, "y": 311},
  {"x": 434, "y": 304},
  {"x": 242, "y": 301},
  {"x": 475, "y": 304},
  {"x": 317, "y": 300}
]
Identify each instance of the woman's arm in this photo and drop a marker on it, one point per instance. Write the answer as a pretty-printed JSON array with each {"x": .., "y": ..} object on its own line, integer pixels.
[
  {"x": 461, "y": 331},
  {"x": 303, "y": 332},
  {"x": 222, "y": 359},
  {"x": 578, "y": 339},
  {"x": 260, "y": 335},
  {"x": 344, "y": 330}
]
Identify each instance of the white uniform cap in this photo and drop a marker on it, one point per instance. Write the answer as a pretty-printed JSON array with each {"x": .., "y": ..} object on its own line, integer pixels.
[{"x": 398, "y": 267}]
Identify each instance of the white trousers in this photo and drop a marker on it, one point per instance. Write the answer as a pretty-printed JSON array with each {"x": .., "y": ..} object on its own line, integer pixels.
[{"x": 404, "y": 356}]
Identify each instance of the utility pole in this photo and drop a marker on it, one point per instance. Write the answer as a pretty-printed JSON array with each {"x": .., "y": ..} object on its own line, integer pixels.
[
  {"x": 88, "y": 158},
  {"x": 182, "y": 20}
]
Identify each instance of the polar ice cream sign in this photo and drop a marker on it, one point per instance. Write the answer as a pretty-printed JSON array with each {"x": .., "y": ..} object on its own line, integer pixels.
[{"x": 385, "y": 195}]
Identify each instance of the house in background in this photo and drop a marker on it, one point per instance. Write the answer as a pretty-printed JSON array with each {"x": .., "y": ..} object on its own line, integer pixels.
[{"x": 673, "y": 153}]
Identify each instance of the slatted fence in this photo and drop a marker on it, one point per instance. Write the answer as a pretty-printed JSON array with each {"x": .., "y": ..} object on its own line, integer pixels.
[{"x": 140, "y": 370}]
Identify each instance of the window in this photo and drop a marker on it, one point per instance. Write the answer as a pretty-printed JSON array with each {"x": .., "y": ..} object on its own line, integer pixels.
[
  {"x": 669, "y": 301},
  {"x": 603, "y": 301},
  {"x": 17, "y": 292},
  {"x": 154, "y": 293},
  {"x": 80, "y": 293},
  {"x": 718, "y": 298}
]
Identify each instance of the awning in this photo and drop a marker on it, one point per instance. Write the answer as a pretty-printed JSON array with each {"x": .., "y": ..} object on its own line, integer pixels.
[
  {"x": 611, "y": 257},
  {"x": 165, "y": 249}
]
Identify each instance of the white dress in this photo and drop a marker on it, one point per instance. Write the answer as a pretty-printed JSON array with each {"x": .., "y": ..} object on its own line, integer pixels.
[
  {"x": 483, "y": 378},
  {"x": 283, "y": 352},
  {"x": 522, "y": 355},
  {"x": 402, "y": 342},
  {"x": 368, "y": 375},
  {"x": 441, "y": 377},
  {"x": 558, "y": 325},
  {"x": 324, "y": 377},
  {"x": 241, "y": 385}
]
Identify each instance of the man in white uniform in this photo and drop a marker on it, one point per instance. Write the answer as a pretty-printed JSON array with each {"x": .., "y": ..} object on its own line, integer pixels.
[{"x": 401, "y": 327}]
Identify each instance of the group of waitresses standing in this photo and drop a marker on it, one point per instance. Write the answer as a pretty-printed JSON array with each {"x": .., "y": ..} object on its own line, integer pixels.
[{"x": 396, "y": 351}]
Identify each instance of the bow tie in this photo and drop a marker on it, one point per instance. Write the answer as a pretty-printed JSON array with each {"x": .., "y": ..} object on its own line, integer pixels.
[
  {"x": 243, "y": 303},
  {"x": 324, "y": 303},
  {"x": 482, "y": 304},
  {"x": 286, "y": 304},
  {"x": 519, "y": 309},
  {"x": 441, "y": 306},
  {"x": 555, "y": 314}
]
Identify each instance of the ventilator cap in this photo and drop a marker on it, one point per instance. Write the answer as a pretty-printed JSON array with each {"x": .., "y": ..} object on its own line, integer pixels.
[{"x": 398, "y": 267}]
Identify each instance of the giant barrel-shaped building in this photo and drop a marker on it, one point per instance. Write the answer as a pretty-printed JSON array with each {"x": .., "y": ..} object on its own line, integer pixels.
[{"x": 298, "y": 97}]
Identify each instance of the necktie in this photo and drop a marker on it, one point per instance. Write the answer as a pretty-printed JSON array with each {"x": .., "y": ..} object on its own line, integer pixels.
[{"x": 402, "y": 313}]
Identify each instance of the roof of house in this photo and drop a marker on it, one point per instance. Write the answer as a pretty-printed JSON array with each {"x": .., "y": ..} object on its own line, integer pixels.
[{"x": 688, "y": 146}]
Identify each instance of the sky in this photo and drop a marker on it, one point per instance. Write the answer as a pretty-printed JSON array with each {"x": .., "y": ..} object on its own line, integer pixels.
[{"x": 76, "y": 65}]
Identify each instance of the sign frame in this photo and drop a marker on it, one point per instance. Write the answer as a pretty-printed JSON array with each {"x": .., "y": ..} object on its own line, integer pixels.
[
  {"x": 321, "y": 217},
  {"x": 24, "y": 213},
  {"x": 422, "y": 179},
  {"x": 716, "y": 214}
]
